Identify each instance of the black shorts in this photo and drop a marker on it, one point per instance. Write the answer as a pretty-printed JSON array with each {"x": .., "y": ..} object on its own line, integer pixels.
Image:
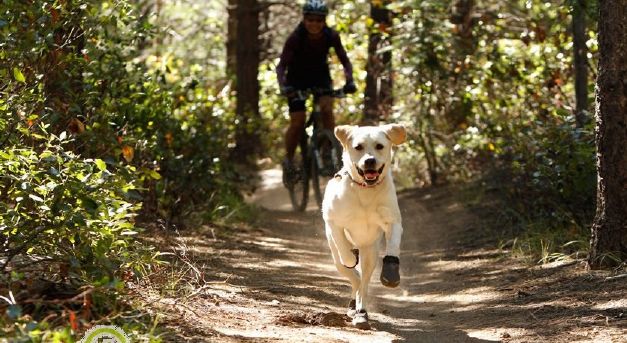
[{"x": 320, "y": 81}]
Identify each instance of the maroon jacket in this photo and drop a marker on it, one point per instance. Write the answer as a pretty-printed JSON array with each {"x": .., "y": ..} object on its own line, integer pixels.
[{"x": 305, "y": 59}]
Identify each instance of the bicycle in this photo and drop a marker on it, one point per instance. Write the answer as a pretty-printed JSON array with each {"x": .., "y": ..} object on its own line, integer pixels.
[{"x": 320, "y": 154}]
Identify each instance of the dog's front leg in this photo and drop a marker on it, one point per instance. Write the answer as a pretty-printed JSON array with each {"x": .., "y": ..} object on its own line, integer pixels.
[
  {"x": 347, "y": 258},
  {"x": 349, "y": 273},
  {"x": 368, "y": 263},
  {"x": 393, "y": 233},
  {"x": 390, "y": 275}
]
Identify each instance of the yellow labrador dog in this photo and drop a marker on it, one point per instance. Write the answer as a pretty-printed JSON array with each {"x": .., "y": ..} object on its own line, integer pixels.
[{"x": 360, "y": 207}]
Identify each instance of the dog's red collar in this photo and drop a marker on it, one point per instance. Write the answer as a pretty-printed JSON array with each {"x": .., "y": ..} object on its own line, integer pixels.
[{"x": 361, "y": 184}]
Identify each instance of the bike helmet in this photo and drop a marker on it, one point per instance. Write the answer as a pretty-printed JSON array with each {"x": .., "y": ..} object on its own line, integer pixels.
[{"x": 317, "y": 7}]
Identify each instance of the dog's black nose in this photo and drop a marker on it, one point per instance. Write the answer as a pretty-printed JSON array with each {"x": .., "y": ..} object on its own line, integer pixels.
[{"x": 370, "y": 163}]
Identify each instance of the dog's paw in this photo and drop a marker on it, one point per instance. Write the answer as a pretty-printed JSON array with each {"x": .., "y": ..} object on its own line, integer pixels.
[
  {"x": 390, "y": 276},
  {"x": 351, "y": 259},
  {"x": 360, "y": 320},
  {"x": 351, "y": 311}
]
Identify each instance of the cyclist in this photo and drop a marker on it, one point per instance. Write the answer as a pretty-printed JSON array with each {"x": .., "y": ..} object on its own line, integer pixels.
[{"x": 304, "y": 64}]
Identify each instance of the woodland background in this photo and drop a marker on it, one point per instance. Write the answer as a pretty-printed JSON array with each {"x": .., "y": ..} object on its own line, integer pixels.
[{"x": 123, "y": 115}]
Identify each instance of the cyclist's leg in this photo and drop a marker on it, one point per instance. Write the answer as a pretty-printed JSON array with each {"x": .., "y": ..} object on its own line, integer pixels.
[
  {"x": 326, "y": 109},
  {"x": 294, "y": 132},
  {"x": 323, "y": 81},
  {"x": 295, "y": 128},
  {"x": 328, "y": 122},
  {"x": 292, "y": 139}
]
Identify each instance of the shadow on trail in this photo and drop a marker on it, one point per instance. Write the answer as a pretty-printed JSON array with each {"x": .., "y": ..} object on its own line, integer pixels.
[{"x": 456, "y": 287}]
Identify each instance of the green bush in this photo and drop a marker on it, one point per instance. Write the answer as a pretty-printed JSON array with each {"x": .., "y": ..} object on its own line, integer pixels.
[
  {"x": 100, "y": 131},
  {"x": 66, "y": 228},
  {"x": 553, "y": 167},
  {"x": 59, "y": 207},
  {"x": 86, "y": 68},
  {"x": 494, "y": 101}
]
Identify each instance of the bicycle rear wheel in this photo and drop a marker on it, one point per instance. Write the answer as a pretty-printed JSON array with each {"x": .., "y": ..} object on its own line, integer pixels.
[
  {"x": 298, "y": 186},
  {"x": 326, "y": 154}
]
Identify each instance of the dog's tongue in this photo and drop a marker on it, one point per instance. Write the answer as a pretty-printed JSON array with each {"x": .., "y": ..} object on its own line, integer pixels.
[{"x": 371, "y": 174}]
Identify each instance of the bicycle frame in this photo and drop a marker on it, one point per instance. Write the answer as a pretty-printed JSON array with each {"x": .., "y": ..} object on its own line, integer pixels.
[
  {"x": 315, "y": 116},
  {"x": 315, "y": 165}
]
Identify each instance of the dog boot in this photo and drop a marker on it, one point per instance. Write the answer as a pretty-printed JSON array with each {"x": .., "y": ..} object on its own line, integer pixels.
[
  {"x": 360, "y": 320},
  {"x": 390, "y": 276},
  {"x": 351, "y": 308}
]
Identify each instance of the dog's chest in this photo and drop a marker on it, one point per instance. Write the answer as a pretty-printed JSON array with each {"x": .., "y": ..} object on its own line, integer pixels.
[
  {"x": 364, "y": 225},
  {"x": 362, "y": 215}
]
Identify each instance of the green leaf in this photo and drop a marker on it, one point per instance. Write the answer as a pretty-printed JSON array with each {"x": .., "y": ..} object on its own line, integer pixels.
[
  {"x": 36, "y": 198},
  {"x": 102, "y": 166},
  {"x": 17, "y": 74},
  {"x": 90, "y": 204},
  {"x": 155, "y": 175}
]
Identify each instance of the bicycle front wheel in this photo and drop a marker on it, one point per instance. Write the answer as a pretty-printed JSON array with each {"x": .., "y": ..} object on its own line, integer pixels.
[{"x": 325, "y": 158}]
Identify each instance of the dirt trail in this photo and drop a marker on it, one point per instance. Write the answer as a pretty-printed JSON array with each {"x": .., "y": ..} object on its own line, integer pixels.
[{"x": 275, "y": 282}]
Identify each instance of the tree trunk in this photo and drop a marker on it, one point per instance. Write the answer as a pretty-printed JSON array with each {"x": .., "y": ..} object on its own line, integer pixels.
[
  {"x": 581, "y": 62},
  {"x": 248, "y": 119},
  {"x": 609, "y": 231},
  {"x": 378, "y": 94},
  {"x": 231, "y": 39},
  {"x": 464, "y": 18}
]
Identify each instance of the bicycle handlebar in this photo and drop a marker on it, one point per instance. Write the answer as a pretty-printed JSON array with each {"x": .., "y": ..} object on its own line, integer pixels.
[{"x": 304, "y": 93}]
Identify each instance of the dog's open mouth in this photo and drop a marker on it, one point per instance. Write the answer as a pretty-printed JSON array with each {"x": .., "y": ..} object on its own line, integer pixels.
[{"x": 370, "y": 176}]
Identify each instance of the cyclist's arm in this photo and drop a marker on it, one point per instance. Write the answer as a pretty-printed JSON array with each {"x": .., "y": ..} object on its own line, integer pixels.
[
  {"x": 287, "y": 55},
  {"x": 341, "y": 54}
]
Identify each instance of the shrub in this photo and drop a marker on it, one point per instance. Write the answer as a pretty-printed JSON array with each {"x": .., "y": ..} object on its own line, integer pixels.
[
  {"x": 58, "y": 207},
  {"x": 66, "y": 233}
]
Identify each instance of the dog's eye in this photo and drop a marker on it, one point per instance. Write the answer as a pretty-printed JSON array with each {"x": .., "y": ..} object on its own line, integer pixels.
[
  {"x": 379, "y": 146},
  {"x": 359, "y": 147}
]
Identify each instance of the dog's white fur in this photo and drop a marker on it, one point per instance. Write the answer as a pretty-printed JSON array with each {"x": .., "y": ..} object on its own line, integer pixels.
[{"x": 358, "y": 209}]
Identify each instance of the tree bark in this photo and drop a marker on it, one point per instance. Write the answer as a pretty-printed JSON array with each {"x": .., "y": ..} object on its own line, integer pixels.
[
  {"x": 580, "y": 51},
  {"x": 378, "y": 94},
  {"x": 231, "y": 39},
  {"x": 608, "y": 243},
  {"x": 247, "y": 140},
  {"x": 464, "y": 17}
]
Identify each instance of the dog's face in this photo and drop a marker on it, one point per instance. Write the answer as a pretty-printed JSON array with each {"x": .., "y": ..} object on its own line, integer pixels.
[{"x": 368, "y": 149}]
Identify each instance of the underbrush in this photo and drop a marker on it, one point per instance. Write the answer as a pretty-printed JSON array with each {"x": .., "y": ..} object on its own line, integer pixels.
[
  {"x": 529, "y": 227},
  {"x": 71, "y": 245},
  {"x": 552, "y": 191},
  {"x": 101, "y": 134},
  {"x": 190, "y": 273},
  {"x": 68, "y": 247}
]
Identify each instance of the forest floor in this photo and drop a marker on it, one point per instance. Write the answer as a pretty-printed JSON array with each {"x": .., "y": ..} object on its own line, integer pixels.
[{"x": 274, "y": 281}]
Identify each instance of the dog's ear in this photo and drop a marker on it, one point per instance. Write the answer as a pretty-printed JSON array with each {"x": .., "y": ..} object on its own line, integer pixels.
[
  {"x": 396, "y": 133},
  {"x": 342, "y": 133}
]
